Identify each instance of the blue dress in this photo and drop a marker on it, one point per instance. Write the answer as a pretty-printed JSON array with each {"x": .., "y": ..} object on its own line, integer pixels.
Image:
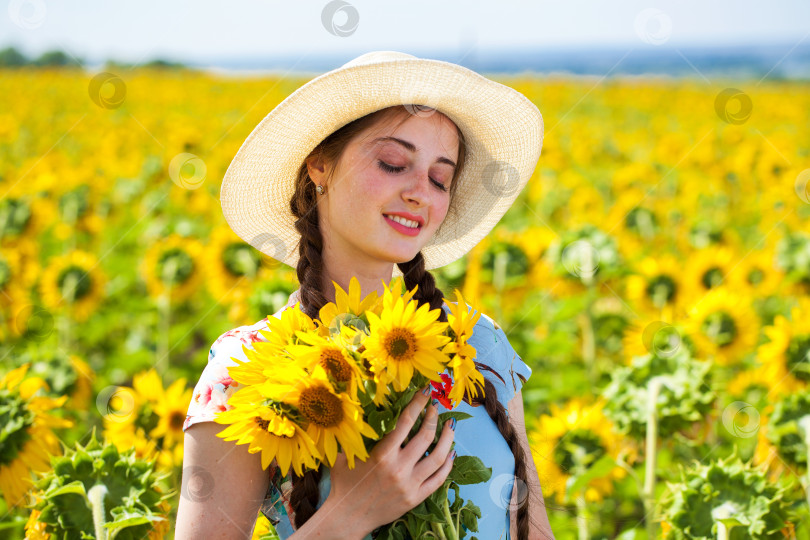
[{"x": 477, "y": 435}]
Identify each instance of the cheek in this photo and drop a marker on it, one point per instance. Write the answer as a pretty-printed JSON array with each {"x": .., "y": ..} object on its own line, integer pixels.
[
  {"x": 440, "y": 210},
  {"x": 362, "y": 195}
]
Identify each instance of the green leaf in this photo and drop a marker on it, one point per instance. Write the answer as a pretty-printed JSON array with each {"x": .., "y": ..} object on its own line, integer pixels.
[
  {"x": 434, "y": 508},
  {"x": 458, "y": 415},
  {"x": 468, "y": 515},
  {"x": 469, "y": 470},
  {"x": 74, "y": 487}
]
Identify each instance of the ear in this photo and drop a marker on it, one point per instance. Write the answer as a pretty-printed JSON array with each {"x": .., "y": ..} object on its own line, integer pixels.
[{"x": 316, "y": 168}]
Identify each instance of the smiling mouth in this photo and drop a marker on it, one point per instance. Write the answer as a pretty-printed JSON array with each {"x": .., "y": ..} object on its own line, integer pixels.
[{"x": 404, "y": 222}]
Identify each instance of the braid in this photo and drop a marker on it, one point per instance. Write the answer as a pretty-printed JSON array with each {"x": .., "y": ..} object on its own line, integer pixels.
[
  {"x": 305, "y": 490},
  {"x": 415, "y": 274}
]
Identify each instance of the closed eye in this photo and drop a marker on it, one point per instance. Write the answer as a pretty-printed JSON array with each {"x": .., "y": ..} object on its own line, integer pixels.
[{"x": 391, "y": 169}]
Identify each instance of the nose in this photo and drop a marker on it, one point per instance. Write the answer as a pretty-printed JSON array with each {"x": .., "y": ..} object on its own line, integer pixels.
[{"x": 416, "y": 188}]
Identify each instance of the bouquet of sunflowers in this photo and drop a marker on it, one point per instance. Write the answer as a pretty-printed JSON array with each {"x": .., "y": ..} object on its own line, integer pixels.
[{"x": 341, "y": 382}]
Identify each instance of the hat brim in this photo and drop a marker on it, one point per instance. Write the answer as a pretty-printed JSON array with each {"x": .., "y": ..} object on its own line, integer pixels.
[{"x": 502, "y": 127}]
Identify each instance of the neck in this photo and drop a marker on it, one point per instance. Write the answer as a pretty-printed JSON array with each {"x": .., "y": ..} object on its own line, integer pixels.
[
  {"x": 371, "y": 278},
  {"x": 341, "y": 266}
]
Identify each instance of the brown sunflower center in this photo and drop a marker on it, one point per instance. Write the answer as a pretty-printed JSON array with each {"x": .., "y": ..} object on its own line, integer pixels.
[
  {"x": 661, "y": 289},
  {"x": 320, "y": 406},
  {"x": 261, "y": 422},
  {"x": 756, "y": 276},
  {"x": 580, "y": 448},
  {"x": 720, "y": 328},
  {"x": 74, "y": 282},
  {"x": 335, "y": 364},
  {"x": 176, "y": 420},
  {"x": 400, "y": 344},
  {"x": 712, "y": 277}
]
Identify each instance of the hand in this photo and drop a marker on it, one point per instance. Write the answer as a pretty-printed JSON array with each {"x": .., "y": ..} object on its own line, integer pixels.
[{"x": 394, "y": 479}]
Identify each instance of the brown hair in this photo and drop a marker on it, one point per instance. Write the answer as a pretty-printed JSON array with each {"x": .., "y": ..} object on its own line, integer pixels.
[{"x": 305, "y": 493}]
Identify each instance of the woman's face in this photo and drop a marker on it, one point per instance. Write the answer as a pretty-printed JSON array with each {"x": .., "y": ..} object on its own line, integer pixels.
[{"x": 390, "y": 191}]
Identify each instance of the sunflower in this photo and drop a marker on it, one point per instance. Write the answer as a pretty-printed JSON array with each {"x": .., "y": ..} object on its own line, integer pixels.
[
  {"x": 349, "y": 306},
  {"x": 651, "y": 335},
  {"x": 282, "y": 331},
  {"x": 727, "y": 491},
  {"x": 786, "y": 357},
  {"x": 234, "y": 265},
  {"x": 173, "y": 266},
  {"x": 750, "y": 381},
  {"x": 757, "y": 273},
  {"x": 64, "y": 373},
  {"x": 28, "y": 439},
  {"x": 571, "y": 440},
  {"x": 149, "y": 418},
  {"x": 708, "y": 268},
  {"x": 170, "y": 406},
  {"x": 23, "y": 217},
  {"x": 331, "y": 358},
  {"x": 74, "y": 282},
  {"x": 131, "y": 487},
  {"x": 35, "y": 529},
  {"x": 267, "y": 428},
  {"x": 723, "y": 325},
  {"x": 466, "y": 377},
  {"x": 656, "y": 288},
  {"x": 402, "y": 339},
  {"x": 331, "y": 418}
]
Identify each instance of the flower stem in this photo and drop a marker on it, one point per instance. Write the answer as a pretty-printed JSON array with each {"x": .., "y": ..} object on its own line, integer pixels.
[
  {"x": 722, "y": 531},
  {"x": 437, "y": 528},
  {"x": 96, "y": 497},
  {"x": 164, "y": 305},
  {"x": 447, "y": 516},
  {"x": 650, "y": 455},
  {"x": 164, "y": 315},
  {"x": 68, "y": 295},
  {"x": 588, "y": 344},
  {"x": 804, "y": 424},
  {"x": 582, "y": 520}
]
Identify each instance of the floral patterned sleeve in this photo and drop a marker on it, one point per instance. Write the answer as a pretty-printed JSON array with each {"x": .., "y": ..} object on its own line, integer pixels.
[
  {"x": 215, "y": 385},
  {"x": 211, "y": 395}
]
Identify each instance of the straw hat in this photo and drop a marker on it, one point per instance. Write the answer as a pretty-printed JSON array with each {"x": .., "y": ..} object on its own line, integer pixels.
[{"x": 503, "y": 131}]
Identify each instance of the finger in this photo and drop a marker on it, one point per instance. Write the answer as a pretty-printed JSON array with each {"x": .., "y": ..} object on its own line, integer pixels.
[
  {"x": 415, "y": 449},
  {"x": 429, "y": 464},
  {"x": 406, "y": 421},
  {"x": 436, "y": 480}
]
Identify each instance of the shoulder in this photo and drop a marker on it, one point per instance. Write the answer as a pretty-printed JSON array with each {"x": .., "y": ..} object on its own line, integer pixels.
[
  {"x": 241, "y": 335},
  {"x": 486, "y": 329},
  {"x": 245, "y": 335}
]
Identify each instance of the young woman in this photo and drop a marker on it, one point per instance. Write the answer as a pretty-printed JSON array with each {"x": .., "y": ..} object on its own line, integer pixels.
[{"x": 363, "y": 182}]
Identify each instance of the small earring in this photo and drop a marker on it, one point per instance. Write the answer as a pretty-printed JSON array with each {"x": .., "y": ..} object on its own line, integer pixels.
[{"x": 319, "y": 189}]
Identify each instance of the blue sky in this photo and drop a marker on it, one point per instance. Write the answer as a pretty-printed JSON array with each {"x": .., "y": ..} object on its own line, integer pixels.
[{"x": 205, "y": 30}]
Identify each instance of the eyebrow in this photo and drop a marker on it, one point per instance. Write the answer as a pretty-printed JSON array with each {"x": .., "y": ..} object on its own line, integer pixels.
[{"x": 409, "y": 146}]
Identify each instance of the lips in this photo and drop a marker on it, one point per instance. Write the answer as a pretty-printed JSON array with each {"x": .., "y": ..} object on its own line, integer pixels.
[
  {"x": 407, "y": 228},
  {"x": 407, "y": 219}
]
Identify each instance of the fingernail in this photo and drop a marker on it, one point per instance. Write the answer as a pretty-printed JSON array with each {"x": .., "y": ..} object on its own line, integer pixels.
[
  {"x": 453, "y": 456},
  {"x": 426, "y": 391},
  {"x": 453, "y": 424},
  {"x": 427, "y": 454},
  {"x": 435, "y": 402}
]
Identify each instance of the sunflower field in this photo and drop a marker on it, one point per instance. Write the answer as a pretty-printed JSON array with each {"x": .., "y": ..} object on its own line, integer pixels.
[{"x": 655, "y": 274}]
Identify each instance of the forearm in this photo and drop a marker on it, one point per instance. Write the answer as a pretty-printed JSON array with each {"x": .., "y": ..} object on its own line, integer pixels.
[{"x": 330, "y": 522}]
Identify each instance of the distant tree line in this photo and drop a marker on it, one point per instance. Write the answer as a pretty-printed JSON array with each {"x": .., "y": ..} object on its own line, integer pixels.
[{"x": 10, "y": 57}]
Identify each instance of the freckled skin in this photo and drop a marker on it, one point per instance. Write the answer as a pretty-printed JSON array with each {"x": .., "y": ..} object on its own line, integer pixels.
[{"x": 356, "y": 235}]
